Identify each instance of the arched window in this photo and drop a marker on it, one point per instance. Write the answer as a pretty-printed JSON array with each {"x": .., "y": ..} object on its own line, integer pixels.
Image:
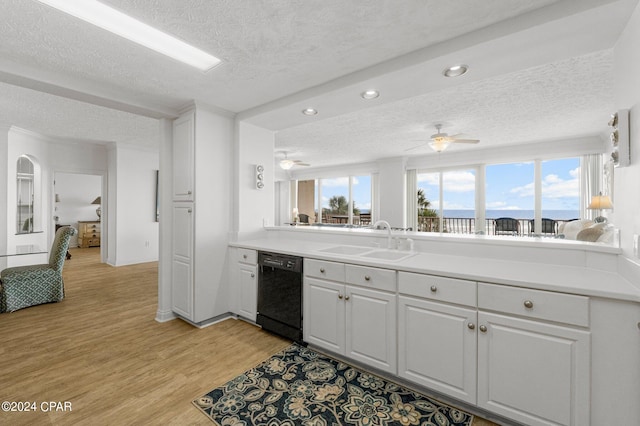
[{"x": 25, "y": 195}]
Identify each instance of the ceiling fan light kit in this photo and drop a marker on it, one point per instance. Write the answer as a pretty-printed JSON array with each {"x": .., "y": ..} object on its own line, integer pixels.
[{"x": 286, "y": 164}]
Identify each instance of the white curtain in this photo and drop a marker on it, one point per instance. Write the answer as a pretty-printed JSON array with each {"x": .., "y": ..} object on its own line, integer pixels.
[
  {"x": 591, "y": 183},
  {"x": 412, "y": 200}
]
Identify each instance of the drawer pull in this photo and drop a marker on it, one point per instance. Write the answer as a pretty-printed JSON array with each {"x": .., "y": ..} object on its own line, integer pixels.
[
  {"x": 189, "y": 192},
  {"x": 322, "y": 270},
  {"x": 340, "y": 296},
  {"x": 346, "y": 297},
  {"x": 367, "y": 278},
  {"x": 528, "y": 304},
  {"x": 253, "y": 275},
  {"x": 483, "y": 328},
  {"x": 434, "y": 288},
  {"x": 244, "y": 256},
  {"x": 471, "y": 326}
]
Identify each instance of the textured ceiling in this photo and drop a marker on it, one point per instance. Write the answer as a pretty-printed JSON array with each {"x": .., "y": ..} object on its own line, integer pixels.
[
  {"x": 568, "y": 98},
  {"x": 69, "y": 119},
  {"x": 270, "y": 48},
  {"x": 63, "y": 77}
]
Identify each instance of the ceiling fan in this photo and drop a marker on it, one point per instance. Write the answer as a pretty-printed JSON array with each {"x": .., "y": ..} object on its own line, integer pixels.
[
  {"x": 287, "y": 164},
  {"x": 440, "y": 141}
]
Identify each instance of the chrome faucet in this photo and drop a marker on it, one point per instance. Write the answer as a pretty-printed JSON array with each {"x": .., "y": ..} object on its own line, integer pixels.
[{"x": 385, "y": 223}]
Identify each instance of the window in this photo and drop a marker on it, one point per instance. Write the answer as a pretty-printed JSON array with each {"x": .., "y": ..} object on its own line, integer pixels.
[
  {"x": 342, "y": 200},
  {"x": 522, "y": 198},
  {"x": 449, "y": 195},
  {"x": 25, "y": 195},
  {"x": 509, "y": 195},
  {"x": 561, "y": 189}
]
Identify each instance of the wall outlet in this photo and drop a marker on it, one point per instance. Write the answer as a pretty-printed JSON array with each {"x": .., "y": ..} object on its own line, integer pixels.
[{"x": 636, "y": 251}]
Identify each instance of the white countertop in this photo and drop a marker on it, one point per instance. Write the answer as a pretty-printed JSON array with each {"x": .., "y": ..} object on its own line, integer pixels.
[{"x": 567, "y": 279}]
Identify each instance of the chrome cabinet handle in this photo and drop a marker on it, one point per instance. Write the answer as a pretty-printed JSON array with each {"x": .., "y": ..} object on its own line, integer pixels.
[
  {"x": 346, "y": 297},
  {"x": 434, "y": 288},
  {"x": 340, "y": 296},
  {"x": 471, "y": 326},
  {"x": 322, "y": 270},
  {"x": 367, "y": 278},
  {"x": 483, "y": 328},
  {"x": 528, "y": 304}
]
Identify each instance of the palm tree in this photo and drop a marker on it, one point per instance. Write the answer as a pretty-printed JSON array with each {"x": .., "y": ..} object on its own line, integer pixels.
[
  {"x": 424, "y": 205},
  {"x": 424, "y": 210}
]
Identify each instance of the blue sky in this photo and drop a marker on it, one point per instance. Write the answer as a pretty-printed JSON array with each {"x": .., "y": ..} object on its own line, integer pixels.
[{"x": 509, "y": 186}]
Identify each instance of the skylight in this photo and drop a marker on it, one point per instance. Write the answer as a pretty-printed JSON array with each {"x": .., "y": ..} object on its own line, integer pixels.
[{"x": 125, "y": 26}]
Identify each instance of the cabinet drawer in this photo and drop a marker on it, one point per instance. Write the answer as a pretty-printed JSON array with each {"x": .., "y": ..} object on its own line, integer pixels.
[
  {"x": 381, "y": 279},
  {"x": 546, "y": 305},
  {"x": 247, "y": 256},
  {"x": 91, "y": 234},
  {"x": 442, "y": 289},
  {"x": 322, "y": 269}
]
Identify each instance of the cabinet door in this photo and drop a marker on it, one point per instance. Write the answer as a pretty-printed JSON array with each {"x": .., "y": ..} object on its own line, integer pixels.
[
  {"x": 182, "y": 261},
  {"x": 323, "y": 314},
  {"x": 437, "y": 346},
  {"x": 371, "y": 327},
  {"x": 248, "y": 283},
  {"x": 183, "y": 157},
  {"x": 532, "y": 372}
]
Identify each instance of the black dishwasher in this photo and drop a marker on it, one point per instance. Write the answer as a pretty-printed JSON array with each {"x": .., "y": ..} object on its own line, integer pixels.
[{"x": 280, "y": 294}]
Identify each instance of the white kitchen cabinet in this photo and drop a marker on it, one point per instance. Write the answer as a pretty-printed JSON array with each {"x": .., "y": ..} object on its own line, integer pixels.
[
  {"x": 437, "y": 338},
  {"x": 183, "y": 157},
  {"x": 182, "y": 260},
  {"x": 202, "y": 144},
  {"x": 532, "y": 371},
  {"x": 351, "y": 320},
  {"x": 324, "y": 314},
  {"x": 437, "y": 346},
  {"x": 247, "y": 284},
  {"x": 371, "y": 327}
]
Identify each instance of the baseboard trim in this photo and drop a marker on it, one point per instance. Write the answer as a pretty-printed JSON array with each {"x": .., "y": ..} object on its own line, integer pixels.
[
  {"x": 164, "y": 316},
  {"x": 208, "y": 322}
]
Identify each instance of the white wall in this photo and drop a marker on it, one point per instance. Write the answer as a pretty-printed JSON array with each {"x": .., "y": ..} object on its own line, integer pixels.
[
  {"x": 626, "y": 201},
  {"x": 254, "y": 206},
  {"x": 392, "y": 191},
  {"x": 136, "y": 231},
  {"x": 76, "y": 192}
]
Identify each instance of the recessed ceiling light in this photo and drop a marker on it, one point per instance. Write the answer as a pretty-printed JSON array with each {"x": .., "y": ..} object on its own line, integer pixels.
[
  {"x": 309, "y": 111},
  {"x": 130, "y": 28},
  {"x": 370, "y": 94},
  {"x": 455, "y": 71}
]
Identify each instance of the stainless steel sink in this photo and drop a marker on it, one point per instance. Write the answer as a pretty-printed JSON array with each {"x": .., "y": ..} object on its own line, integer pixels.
[
  {"x": 348, "y": 250},
  {"x": 388, "y": 255}
]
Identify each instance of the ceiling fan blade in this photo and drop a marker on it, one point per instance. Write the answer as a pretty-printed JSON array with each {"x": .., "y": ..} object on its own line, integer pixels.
[{"x": 464, "y": 140}]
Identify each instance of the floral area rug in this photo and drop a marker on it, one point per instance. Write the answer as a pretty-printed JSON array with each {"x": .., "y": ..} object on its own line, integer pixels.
[{"x": 299, "y": 386}]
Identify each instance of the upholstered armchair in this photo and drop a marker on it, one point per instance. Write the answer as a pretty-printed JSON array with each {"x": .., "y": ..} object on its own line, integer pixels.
[{"x": 31, "y": 285}]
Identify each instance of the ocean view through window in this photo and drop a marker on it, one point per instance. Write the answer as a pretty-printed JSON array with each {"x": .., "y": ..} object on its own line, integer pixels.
[{"x": 449, "y": 201}]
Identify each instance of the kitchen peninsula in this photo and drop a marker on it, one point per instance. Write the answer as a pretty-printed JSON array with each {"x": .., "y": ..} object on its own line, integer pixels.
[{"x": 476, "y": 319}]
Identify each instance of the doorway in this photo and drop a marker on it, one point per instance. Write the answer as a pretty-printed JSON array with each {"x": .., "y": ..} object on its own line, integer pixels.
[{"x": 78, "y": 202}]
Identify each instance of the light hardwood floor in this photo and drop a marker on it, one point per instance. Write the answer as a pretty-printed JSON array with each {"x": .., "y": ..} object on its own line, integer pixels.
[{"x": 101, "y": 350}]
